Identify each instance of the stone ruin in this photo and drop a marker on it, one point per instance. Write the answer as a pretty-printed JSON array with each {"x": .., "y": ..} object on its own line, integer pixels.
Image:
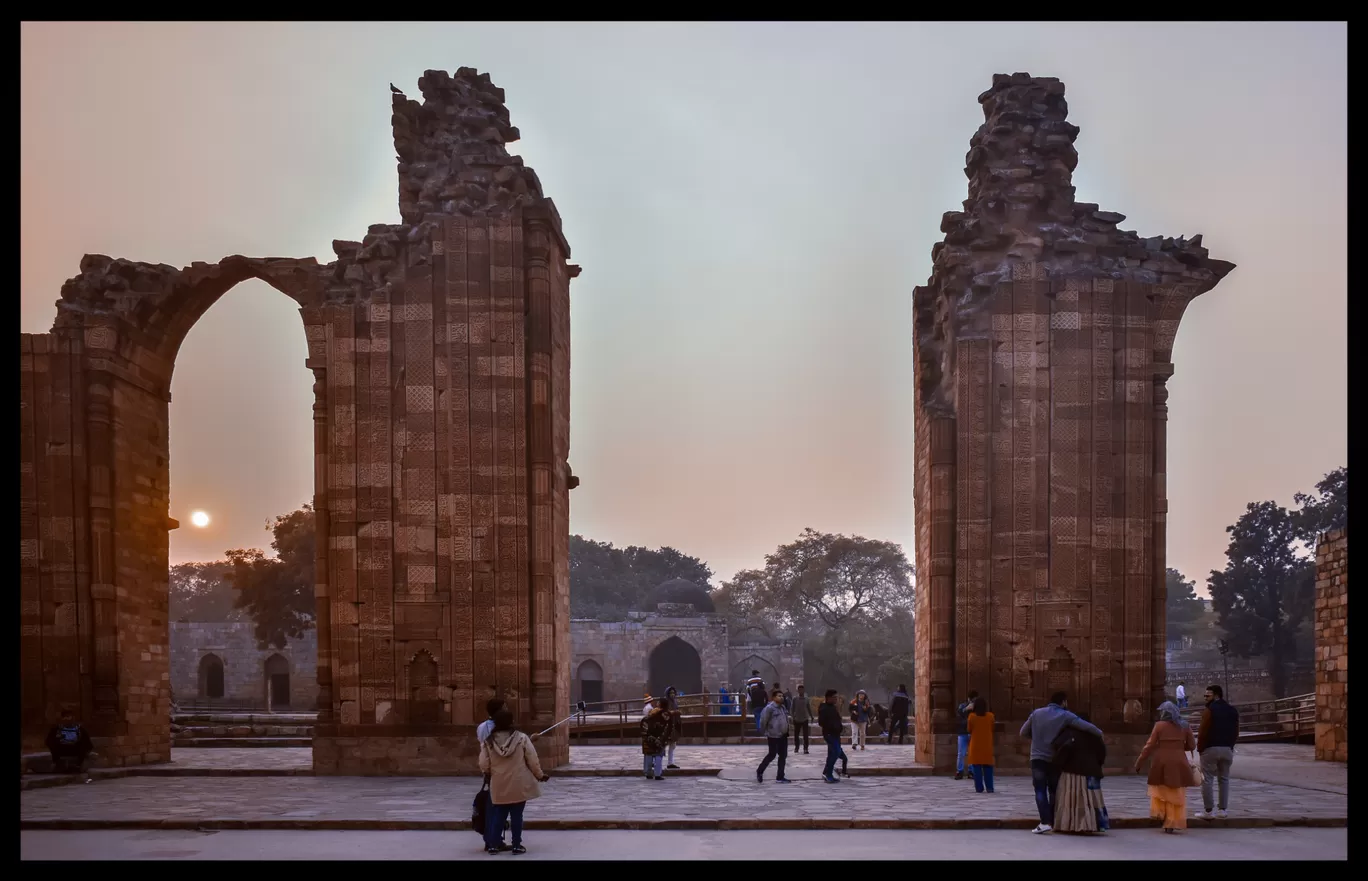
[
  {"x": 440, "y": 348},
  {"x": 1043, "y": 343}
]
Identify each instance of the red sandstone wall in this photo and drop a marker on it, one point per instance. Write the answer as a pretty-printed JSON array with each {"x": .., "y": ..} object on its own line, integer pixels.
[{"x": 1332, "y": 646}]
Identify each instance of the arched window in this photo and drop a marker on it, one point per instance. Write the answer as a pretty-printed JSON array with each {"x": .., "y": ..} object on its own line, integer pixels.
[
  {"x": 425, "y": 705},
  {"x": 675, "y": 662},
  {"x": 211, "y": 676},
  {"x": 277, "y": 681},
  {"x": 589, "y": 677}
]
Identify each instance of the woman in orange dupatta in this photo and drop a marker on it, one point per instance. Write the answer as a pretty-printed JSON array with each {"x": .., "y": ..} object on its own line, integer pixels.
[{"x": 1170, "y": 774}]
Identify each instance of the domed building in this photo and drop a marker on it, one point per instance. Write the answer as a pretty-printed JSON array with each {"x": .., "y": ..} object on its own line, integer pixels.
[{"x": 676, "y": 638}]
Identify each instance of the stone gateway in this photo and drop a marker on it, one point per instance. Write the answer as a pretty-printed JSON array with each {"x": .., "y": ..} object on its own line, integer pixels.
[
  {"x": 1042, "y": 353},
  {"x": 440, "y": 348}
]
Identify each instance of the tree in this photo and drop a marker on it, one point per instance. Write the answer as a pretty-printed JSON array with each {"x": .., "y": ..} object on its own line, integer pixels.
[
  {"x": 278, "y": 593},
  {"x": 849, "y": 599},
  {"x": 201, "y": 593},
  {"x": 1266, "y": 590},
  {"x": 607, "y": 582},
  {"x": 1183, "y": 608},
  {"x": 1328, "y": 509}
]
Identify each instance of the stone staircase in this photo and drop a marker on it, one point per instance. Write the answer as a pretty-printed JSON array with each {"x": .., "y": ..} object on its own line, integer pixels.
[{"x": 219, "y": 729}]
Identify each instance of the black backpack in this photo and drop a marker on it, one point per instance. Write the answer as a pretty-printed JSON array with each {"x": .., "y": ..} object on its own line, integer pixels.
[
  {"x": 479, "y": 809},
  {"x": 757, "y": 696}
]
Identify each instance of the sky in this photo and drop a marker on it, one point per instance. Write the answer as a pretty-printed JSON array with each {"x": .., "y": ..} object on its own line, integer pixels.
[{"x": 752, "y": 204}]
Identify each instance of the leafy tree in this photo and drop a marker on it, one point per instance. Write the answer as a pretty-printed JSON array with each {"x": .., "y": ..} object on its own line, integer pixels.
[
  {"x": 202, "y": 593},
  {"x": 278, "y": 593},
  {"x": 1328, "y": 509},
  {"x": 607, "y": 582},
  {"x": 1183, "y": 607},
  {"x": 1266, "y": 590},
  {"x": 849, "y": 599}
]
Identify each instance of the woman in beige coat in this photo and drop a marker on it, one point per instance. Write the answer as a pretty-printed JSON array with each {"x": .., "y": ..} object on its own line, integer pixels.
[
  {"x": 1170, "y": 774},
  {"x": 509, "y": 760}
]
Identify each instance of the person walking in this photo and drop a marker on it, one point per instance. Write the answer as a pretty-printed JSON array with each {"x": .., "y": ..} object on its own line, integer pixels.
[
  {"x": 515, "y": 775},
  {"x": 1079, "y": 756},
  {"x": 829, "y": 722},
  {"x": 1043, "y": 727},
  {"x": 1170, "y": 774},
  {"x": 1216, "y": 736},
  {"x": 656, "y": 729},
  {"x": 980, "y": 753},
  {"x": 899, "y": 707},
  {"x": 774, "y": 722},
  {"x": 755, "y": 691},
  {"x": 860, "y": 714},
  {"x": 962, "y": 733},
  {"x": 1181, "y": 694},
  {"x": 801, "y": 719},
  {"x": 672, "y": 740}
]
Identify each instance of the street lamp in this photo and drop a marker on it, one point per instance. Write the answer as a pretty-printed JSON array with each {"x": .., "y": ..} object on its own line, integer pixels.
[{"x": 1224, "y": 648}]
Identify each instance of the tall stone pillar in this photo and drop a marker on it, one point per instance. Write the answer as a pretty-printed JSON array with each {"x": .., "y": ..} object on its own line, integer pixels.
[
  {"x": 1043, "y": 344},
  {"x": 440, "y": 350}
]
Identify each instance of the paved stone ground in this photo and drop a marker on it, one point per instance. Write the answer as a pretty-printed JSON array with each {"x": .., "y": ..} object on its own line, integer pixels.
[
  {"x": 870, "y": 844},
  {"x": 617, "y": 802}
]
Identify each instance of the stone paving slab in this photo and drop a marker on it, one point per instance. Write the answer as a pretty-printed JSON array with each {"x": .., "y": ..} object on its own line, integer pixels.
[{"x": 618, "y": 803}]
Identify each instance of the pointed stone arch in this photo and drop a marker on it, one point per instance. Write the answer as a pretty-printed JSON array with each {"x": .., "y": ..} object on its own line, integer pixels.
[{"x": 211, "y": 677}]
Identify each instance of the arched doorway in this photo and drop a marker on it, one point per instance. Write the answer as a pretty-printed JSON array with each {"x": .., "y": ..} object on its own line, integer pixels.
[
  {"x": 211, "y": 676},
  {"x": 590, "y": 679},
  {"x": 277, "y": 682},
  {"x": 675, "y": 662},
  {"x": 742, "y": 671}
]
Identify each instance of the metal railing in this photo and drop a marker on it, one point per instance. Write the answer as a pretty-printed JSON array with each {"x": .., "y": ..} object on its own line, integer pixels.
[
  {"x": 1288, "y": 718},
  {"x": 705, "y": 713}
]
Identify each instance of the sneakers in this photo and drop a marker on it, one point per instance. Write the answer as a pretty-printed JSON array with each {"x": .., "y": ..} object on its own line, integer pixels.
[
  {"x": 831, "y": 780},
  {"x": 1043, "y": 829},
  {"x": 672, "y": 767},
  {"x": 1204, "y": 815},
  {"x": 660, "y": 777},
  {"x": 650, "y": 776},
  {"x": 805, "y": 752},
  {"x": 759, "y": 777},
  {"x": 782, "y": 780},
  {"x": 1221, "y": 815},
  {"x": 959, "y": 775},
  {"x": 518, "y": 848},
  {"x": 492, "y": 851}
]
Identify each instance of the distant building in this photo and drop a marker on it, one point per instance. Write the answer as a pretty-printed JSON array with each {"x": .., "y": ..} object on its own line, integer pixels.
[{"x": 677, "y": 639}]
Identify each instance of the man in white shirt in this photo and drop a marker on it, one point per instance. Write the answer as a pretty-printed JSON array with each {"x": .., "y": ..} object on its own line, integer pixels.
[{"x": 1181, "y": 694}]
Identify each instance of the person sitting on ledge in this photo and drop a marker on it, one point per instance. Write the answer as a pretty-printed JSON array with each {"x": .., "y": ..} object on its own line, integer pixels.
[{"x": 69, "y": 745}]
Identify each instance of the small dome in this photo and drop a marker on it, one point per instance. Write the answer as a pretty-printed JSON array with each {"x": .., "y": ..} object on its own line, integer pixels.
[{"x": 679, "y": 590}]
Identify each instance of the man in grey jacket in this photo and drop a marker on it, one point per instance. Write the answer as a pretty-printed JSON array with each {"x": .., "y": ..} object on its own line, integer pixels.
[
  {"x": 1043, "y": 726},
  {"x": 774, "y": 724}
]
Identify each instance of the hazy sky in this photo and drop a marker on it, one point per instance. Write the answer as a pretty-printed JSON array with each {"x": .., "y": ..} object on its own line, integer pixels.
[{"x": 752, "y": 205}]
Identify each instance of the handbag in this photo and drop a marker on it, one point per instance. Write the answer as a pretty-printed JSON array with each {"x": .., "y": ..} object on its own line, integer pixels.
[
  {"x": 1195, "y": 763},
  {"x": 479, "y": 809}
]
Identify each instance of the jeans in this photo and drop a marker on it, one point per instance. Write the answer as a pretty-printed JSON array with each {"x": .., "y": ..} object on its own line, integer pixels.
[
  {"x": 834, "y": 752},
  {"x": 1045, "y": 782},
  {"x": 756, "y": 711},
  {"x": 778, "y": 748},
  {"x": 1182, "y": 703},
  {"x": 496, "y": 817},
  {"x": 898, "y": 724},
  {"x": 800, "y": 729},
  {"x": 1216, "y": 762},
  {"x": 960, "y": 753},
  {"x": 650, "y": 765},
  {"x": 983, "y": 777}
]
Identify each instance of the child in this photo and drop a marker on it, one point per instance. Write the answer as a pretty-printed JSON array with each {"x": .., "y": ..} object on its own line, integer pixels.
[{"x": 980, "y": 724}]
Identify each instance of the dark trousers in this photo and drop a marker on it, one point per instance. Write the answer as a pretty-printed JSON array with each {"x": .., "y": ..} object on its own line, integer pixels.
[
  {"x": 778, "y": 748},
  {"x": 496, "y": 816},
  {"x": 68, "y": 760},
  {"x": 800, "y": 729},
  {"x": 834, "y": 752},
  {"x": 898, "y": 724},
  {"x": 983, "y": 776},
  {"x": 1045, "y": 782}
]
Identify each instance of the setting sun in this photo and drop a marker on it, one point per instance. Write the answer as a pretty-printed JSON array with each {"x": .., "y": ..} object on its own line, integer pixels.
[{"x": 200, "y": 519}]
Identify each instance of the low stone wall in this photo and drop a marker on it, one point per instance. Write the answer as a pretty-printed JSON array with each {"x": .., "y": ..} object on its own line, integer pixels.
[
  {"x": 1332, "y": 646},
  {"x": 414, "y": 750}
]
